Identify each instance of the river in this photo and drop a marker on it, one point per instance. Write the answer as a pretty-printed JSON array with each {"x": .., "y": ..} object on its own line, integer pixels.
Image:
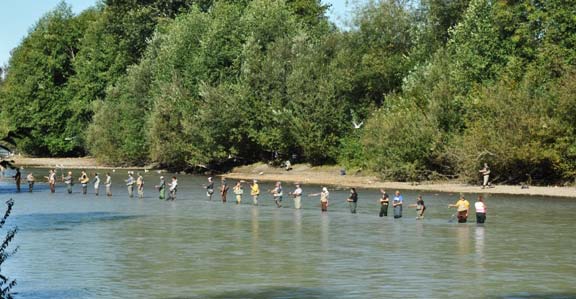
[{"x": 76, "y": 246}]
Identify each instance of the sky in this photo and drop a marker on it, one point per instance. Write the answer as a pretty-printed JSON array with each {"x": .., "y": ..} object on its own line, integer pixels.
[{"x": 18, "y": 16}]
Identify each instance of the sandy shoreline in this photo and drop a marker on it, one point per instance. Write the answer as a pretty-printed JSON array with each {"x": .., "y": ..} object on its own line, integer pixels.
[{"x": 329, "y": 175}]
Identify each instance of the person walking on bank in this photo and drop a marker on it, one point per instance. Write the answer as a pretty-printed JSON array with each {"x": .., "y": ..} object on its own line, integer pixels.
[
  {"x": 420, "y": 207},
  {"x": 462, "y": 206},
  {"x": 480, "y": 208},
  {"x": 384, "y": 202},
  {"x": 69, "y": 181},
  {"x": 84, "y": 180},
  {"x": 173, "y": 188},
  {"x": 397, "y": 204},
  {"x": 31, "y": 180},
  {"x": 324, "y": 197},
  {"x": 18, "y": 179},
  {"x": 108, "y": 184},
  {"x": 96, "y": 184},
  {"x": 223, "y": 190},
  {"x": 255, "y": 192},
  {"x": 297, "y": 197},
  {"x": 140, "y": 186},
  {"x": 485, "y": 175},
  {"x": 162, "y": 188},
  {"x": 353, "y": 200},
  {"x": 238, "y": 191},
  {"x": 130, "y": 184},
  {"x": 209, "y": 188},
  {"x": 277, "y": 194}
]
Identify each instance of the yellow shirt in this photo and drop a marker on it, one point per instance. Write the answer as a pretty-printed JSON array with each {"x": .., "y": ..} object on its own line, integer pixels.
[
  {"x": 254, "y": 189},
  {"x": 462, "y": 205}
]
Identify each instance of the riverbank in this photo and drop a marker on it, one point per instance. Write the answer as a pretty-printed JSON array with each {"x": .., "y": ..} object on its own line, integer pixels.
[
  {"x": 73, "y": 163},
  {"x": 331, "y": 176}
]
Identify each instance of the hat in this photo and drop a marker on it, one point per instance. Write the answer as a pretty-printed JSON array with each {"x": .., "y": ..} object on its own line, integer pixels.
[{"x": 324, "y": 189}]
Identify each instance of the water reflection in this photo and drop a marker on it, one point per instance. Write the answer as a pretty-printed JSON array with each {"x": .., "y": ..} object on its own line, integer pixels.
[{"x": 479, "y": 245}]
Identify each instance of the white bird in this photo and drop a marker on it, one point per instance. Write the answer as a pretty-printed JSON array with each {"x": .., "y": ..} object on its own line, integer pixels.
[
  {"x": 357, "y": 126},
  {"x": 146, "y": 170}
]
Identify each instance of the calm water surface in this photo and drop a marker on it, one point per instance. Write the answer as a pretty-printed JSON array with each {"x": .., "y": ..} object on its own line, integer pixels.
[{"x": 75, "y": 246}]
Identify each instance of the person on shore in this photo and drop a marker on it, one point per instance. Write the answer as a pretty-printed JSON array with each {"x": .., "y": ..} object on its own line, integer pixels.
[
  {"x": 84, "y": 180},
  {"x": 324, "y": 198},
  {"x": 161, "y": 188},
  {"x": 485, "y": 175},
  {"x": 255, "y": 192},
  {"x": 209, "y": 188},
  {"x": 480, "y": 208},
  {"x": 108, "y": 184},
  {"x": 384, "y": 202},
  {"x": 277, "y": 194},
  {"x": 31, "y": 180},
  {"x": 353, "y": 200},
  {"x": 96, "y": 184},
  {"x": 238, "y": 191},
  {"x": 462, "y": 206},
  {"x": 69, "y": 181},
  {"x": 420, "y": 207},
  {"x": 223, "y": 190},
  {"x": 397, "y": 204},
  {"x": 297, "y": 193},
  {"x": 130, "y": 184},
  {"x": 18, "y": 179},
  {"x": 173, "y": 188},
  {"x": 140, "y": 185}
]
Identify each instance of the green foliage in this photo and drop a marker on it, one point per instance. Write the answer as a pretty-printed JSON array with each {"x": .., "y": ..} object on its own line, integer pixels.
[{"x": 6, "y": 284}]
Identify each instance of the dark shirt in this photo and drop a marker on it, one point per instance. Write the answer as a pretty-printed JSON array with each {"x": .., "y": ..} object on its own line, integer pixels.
[{"x": 354, "y": 197}]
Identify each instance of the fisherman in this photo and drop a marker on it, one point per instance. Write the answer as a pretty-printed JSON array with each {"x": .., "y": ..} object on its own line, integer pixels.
[
  {"x": 108, "y": 185},
  {"x": 96, "y": 184},
  {"x": 384, "y": 202},
  {"x": 480, "y": 208},
  {"x": 397, "y": 204},
  {"x": 277, "y": 194},
  {"x": 69, "y": 181},
  {"x": 255, "y": 192},
  {"x": 462, "y": 206},
  {"x": 84, "y": 180},
  {"x": 209, "y": 188},
  {"x": 173, "y": 188},
  {"x": 297, "y": 197},
  {"x": 485, "y": 175},
  {"x": 238, "y": 190},
  {"x": 52, "y": 180},
  {"x": 140, "y": 185},
  {"x": 223, "y": 190},
  {"x": 420, "y": 207},
  {"x": 18, "y": 178},
  {"x": 31, "y": 180},
  {"x": 324, "y": 197},
  {"x": 353, "y": 200},
  {"x": 162, "y": 188},
  {"x": 130, "y": 184}
]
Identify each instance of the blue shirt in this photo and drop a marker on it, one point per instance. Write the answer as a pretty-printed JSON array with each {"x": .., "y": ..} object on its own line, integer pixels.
[{"x": 398, "y": 199}]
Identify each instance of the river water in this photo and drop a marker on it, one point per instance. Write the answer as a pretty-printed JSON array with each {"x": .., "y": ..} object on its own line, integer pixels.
[{"x": 75, "y": 246}]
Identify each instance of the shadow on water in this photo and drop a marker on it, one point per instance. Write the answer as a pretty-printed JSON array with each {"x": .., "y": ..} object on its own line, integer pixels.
[
  {"x": 64, "y": 221},
  {"x": 536, "y": 296},
  {"x": 48, "y": 294},
  {"x": 279, "y": 292}
]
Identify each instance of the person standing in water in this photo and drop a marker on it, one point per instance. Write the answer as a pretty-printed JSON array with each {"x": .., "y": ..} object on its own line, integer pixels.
[
  {"x": 140, "y": 185},
  {"x": 485, "y": 175},
  {"x": 352, "y": 200},
  {"x": 384, "y": 202},
  {"x": 69, "y": 181},
  {"x": 462, "y": 206},
  {"x": 277, "y": 194},
  {"x": 238, "y": 191},
  {"x": 480, "y": 208},
  {"x": 84, "y": 180},
  {"x": 130, "y": 184},
  {"x": 397, "y": 204},
  {"x": 420, "y": 207},
  {"x": 52, "y": 180},
  {"x": 209, "y": 188},
  {"x": 31, "y": 180},
  {"x": 324, "y": 197},
  {"x": 18, "y": 179},
  {"x": 96, "y": 184},
  {"x": 108, "y": 184},
  {"x": 297, "y": 197},
  {"x": 162, "y": 188},
  {"x": 173, "y": 188},
  {"x": 255, "y": 192},
  {"x": 223, "y": 190}
]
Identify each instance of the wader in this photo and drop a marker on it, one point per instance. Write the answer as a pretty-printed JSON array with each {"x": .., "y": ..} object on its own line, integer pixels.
[
  {"x": 398, "y": 211},
  {"x": 384, "y": 210}
]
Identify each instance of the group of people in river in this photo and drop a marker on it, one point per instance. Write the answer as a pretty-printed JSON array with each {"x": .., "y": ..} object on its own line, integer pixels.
[{"x": 462, "y": 205}]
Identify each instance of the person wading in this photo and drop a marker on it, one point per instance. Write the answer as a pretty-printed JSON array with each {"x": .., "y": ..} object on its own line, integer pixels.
[
  {"x": 96, "y": 184},
  {"x": 223, "y": 190},
  {"x": 384, "y": 202},
  {"x": 324, "y": 198},
  {"x": 462, "y": 206},
  {"x": 353, "y": 200},
  {"x": 277, "y": 194},
  {"x": 420, "y": 207},
  {"x": 130, "y": 185},
  {"x": 238, "y": 191},
  {"x": 161, "y": 188},
  {"x": 255, "y": 192},
  {"x": 297, "y": 197},
  {"x": 480, "y": 208},
  {"x": 140, "y": 186},
  {"x": 84, "y": 180},
  {"x": 69, "y": 181},
  {"x": 31, "y": 180},
  {"x": 108, "y": 185},
  {"x": 397, "y": 204},
  {"x": 209, "y": 188}
]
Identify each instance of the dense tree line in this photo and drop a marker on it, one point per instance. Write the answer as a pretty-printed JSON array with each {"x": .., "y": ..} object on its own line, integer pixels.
[{"x": 412, "y": 90}]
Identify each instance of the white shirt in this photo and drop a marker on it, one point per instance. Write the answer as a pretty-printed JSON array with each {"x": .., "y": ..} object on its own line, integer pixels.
[{"x": 480, "y": 207}]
